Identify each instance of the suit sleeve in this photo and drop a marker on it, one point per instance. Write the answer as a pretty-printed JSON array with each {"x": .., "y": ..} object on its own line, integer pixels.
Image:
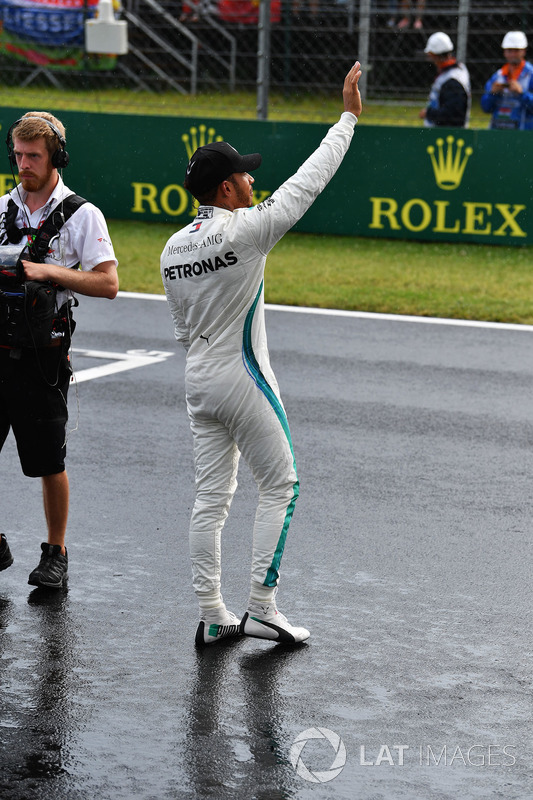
[{"x": 270, "y": 220}]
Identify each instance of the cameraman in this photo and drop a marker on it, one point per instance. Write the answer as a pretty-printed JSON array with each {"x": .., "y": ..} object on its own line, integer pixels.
[{"x": 34, "y": 376}]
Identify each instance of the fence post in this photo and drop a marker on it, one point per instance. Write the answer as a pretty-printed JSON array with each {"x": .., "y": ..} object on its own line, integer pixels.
[
  {"x": 364, "y": 49},
  {"x": 263, "y": 59},
  {"x": 462, "y": 29}
]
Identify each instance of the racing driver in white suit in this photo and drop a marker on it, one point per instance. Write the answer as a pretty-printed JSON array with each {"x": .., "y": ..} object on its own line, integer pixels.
[{"x": 212, "y": 271}]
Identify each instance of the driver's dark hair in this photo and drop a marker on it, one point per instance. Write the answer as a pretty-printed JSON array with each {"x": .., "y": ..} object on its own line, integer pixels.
[{"x": 208, "y": 198}]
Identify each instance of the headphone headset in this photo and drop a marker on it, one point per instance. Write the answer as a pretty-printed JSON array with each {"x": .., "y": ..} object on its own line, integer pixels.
[{"x": 60, "y": 158}]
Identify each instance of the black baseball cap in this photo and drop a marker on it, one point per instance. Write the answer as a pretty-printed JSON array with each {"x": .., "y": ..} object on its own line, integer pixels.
[{"x": 213, "y": 163}]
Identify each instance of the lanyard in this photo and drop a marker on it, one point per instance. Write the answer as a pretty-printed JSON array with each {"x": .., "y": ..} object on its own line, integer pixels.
[{"x": 32, "y": 236}]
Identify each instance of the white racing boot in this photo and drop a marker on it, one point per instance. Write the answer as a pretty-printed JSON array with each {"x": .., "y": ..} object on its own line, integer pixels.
[
  {"x": 264, "y": 621},
  {"x": 216, "y": 624}
]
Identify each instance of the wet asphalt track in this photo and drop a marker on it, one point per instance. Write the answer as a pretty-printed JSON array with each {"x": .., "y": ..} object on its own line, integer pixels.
[{"x": 409, "y": 558}]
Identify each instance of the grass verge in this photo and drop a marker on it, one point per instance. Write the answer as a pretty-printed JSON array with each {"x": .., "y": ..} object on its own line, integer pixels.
[
  {"x": 388, "y": 276},
  {"x": 299, "y": 107}
]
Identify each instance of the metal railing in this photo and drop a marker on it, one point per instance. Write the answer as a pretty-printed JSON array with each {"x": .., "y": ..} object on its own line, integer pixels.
[
  {"x": 291, "y": 47},
  {"x": 173, "y": 47}
]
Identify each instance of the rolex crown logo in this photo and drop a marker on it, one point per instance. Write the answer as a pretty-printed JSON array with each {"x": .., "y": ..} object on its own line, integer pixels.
[
  {"x": 197, "y": 137},
  {"x": 449, "y": 166}
]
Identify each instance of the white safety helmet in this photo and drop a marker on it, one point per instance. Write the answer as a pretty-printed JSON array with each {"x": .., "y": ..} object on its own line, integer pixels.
[
  {"x": 439, "y": 43},
  {"x": 514, "y": 40}
]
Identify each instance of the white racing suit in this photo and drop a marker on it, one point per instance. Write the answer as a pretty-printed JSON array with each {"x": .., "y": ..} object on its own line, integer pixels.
[{"x": 212, "y": 271}]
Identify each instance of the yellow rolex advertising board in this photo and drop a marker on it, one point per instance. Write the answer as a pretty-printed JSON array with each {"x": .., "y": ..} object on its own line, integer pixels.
[{"x": 439, "y": 184}]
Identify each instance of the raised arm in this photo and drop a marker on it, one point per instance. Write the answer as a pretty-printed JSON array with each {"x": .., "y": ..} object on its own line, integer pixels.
[{"x": 269, "y": 221}]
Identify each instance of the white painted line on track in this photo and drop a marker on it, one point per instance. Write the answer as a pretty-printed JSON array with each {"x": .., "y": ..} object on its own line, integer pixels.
[
  {"x": 465, "y": 323},
  {"x": 142, "y": 296},
  {"x": 119, "y": 362},
  {"x": 332, "y": 312}
]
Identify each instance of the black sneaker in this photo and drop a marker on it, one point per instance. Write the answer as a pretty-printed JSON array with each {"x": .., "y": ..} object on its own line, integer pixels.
[
  {"x": 6, "y": 559},
  {"x": 52, "y": 572}
]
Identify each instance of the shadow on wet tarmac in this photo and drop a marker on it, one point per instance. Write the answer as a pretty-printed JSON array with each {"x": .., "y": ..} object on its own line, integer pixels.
[
  {"x": 258, "y": 743},
  {"x": 35, "y": 692}
]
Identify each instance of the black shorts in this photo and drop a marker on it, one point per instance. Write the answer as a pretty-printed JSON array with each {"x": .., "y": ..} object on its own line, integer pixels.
[{"x": 33, "y": 401}]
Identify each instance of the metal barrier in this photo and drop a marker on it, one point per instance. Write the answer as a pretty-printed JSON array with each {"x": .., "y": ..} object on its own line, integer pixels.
[{"x": 292, "y": 47}]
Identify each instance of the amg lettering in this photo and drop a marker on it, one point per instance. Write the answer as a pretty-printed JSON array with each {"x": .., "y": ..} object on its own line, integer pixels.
[
  {"x": 191, "y": 247},
  {"x": 209, "y": 240},
  {"x": 197, "y": 268}
]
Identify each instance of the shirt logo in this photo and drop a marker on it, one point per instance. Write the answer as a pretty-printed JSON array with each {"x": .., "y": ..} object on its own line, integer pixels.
[{"x": 205, "y": 212}]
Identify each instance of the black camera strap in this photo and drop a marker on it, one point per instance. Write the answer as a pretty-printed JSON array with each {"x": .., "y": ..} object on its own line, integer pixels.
[
  {"x": 39, "y": 246},
  {"x": 28, "y": 311}
]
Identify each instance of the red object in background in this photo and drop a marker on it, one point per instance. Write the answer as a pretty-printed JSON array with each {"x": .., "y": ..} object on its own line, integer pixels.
[{"x": 244, "y": 12}]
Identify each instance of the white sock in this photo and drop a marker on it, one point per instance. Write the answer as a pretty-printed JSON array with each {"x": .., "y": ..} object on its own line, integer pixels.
[
  {"x": 210, "y": 600},
  {"x": 262, "y": 594}
]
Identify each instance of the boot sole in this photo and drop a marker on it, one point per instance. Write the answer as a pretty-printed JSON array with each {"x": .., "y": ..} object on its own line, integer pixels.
[{"x": 44, "y": 585}]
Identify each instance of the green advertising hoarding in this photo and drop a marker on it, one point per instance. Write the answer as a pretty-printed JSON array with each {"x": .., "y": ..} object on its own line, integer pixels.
[{"x": 407, "y": 183}]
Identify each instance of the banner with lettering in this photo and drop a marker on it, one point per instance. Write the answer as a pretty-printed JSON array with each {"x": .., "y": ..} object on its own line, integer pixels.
[
  {"x": 425, "y": 184},
  {"x": 49, "y": 33}
]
